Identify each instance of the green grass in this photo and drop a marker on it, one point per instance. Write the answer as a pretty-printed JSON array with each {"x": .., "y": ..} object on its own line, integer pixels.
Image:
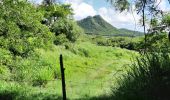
[
  {"x": 91, "y": 71},
  {"x": 89, "y": 68}
]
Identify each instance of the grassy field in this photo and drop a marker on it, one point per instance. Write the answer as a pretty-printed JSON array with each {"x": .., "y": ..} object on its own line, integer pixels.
[{"x": 91, "y": 71}]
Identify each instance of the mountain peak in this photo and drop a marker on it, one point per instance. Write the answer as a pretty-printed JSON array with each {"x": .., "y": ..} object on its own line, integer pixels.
[
  {"x": 97, "y": 16},
  {"x": 97, "y": 25},
  {"x": 89, "y": 17},
  {"x": 94, "y": 17}
]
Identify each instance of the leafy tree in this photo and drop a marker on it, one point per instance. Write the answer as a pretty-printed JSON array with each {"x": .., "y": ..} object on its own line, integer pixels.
[
  {"x": 21, "y": 30},
  {"x": 53, "y": 11},
  {"x": 58, "y": 17},
  {"x": 67, "y": 27},
  {"x": 166, "y": 19}
]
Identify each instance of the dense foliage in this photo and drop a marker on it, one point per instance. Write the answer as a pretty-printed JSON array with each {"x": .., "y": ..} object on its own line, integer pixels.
[
  {"x": 21, "y": 31},
  {"x": 51, "y": 12},
  {"x": 26, "y": 28},
  {"x": 66, "y": 30},
  {"x": 131, "y": 43}
]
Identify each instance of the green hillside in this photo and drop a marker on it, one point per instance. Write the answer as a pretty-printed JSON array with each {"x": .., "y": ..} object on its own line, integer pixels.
[
  {"x": 97, "y": 25},
  {"x": 130, "y": 32}
]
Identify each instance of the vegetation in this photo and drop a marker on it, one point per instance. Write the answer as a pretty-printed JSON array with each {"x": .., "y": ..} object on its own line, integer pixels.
[
  {"x": 83, "y": 58},
  {"x": 130, "y": 43},
  {"x": 97, "y": 66},
  {"x": 148, "y": 79},
  {"x": 65, "y": 30},
  {"x": 28, "y": 56},
  {"x": 21, "y": 31}
]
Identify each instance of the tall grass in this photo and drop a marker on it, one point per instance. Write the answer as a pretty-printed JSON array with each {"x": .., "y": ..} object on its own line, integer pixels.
[{"x": 148, "y": 79}]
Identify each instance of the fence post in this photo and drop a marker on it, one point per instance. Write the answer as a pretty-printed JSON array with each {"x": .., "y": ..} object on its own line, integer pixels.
[{"x": 62, "y": 77}]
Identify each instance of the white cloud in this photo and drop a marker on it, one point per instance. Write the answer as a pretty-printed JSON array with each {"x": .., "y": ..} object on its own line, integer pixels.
[
  {"x": 119, "y": 20},
  {"x": 81, "y": 9}
]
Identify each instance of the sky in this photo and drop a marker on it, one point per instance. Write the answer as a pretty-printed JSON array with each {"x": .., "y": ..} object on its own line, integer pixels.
[{"x": 129, "y": 20}]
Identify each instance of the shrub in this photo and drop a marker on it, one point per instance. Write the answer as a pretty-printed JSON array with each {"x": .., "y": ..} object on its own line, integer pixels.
[
  {"x": 101, "y": 41},
  {"x": 4, "y": 73},
  {"x": 60, "y": 39},
  {"x": 42, "y": 77},
  {"x": 5, "y": 62},
  {"x": 83, "y": 52},
  {"x": 155, "y": 43}
]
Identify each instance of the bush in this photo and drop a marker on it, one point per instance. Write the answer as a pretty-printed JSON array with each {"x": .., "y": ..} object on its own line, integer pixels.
[
  {"x": 60, "y": 39},
  {"x": 4, "y": 73},
  {"x": 149, "y": 79},
  {"x": 101, "y": 41},
  {"x": 43, "y": 76},
  {"x": 5, "y": 62},
  {"x": 35, "y": 70}
]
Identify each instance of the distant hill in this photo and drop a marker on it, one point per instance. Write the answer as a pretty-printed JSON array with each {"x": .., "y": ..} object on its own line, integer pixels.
[
  {"x": 128, "y": 32},
  {"x": 97, "y": 25}
]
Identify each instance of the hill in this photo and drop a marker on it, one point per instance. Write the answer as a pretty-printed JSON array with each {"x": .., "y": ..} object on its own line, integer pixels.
[
  {"x": 130, "y": 32},
  {"x": 97, "y": 25}
]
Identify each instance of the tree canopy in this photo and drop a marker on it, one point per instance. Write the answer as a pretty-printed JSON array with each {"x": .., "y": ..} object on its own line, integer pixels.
[{"x": 21, "y": 30}]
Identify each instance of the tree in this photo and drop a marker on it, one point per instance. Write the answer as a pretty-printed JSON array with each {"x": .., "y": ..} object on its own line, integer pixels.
[
  {"x": 52, "y": 11},
  {"x": 58, "y": 17},
  {"x": 68, "y": 28},
  {"x": 21, "y": 30},
  {"x": 149, "y": 10}
]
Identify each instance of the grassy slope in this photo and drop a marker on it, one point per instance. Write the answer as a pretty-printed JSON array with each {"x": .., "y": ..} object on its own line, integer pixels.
[
  {"x": 90, "y": 71},
  {"x": 90, "y": 68}
]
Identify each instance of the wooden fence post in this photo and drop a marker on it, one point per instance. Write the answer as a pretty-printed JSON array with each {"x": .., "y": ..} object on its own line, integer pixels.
[{"x": 63, "y": 77}]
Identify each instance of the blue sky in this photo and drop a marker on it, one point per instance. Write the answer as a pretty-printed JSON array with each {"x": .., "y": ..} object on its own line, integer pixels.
[
  {"x": 129, "y": 20},
  {"x": 97, "y": 4}
]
